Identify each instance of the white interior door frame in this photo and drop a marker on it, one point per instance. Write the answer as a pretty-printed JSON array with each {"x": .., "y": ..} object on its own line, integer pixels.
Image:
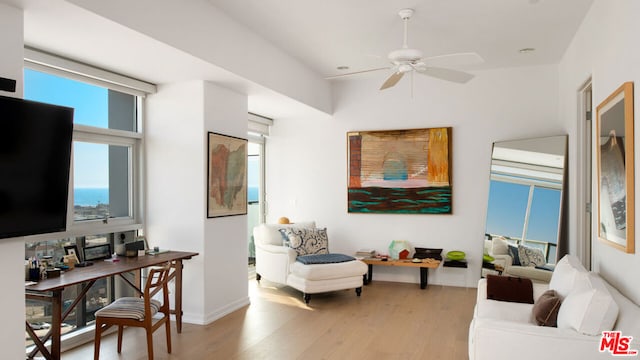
[{"x": 584, "y": 172}]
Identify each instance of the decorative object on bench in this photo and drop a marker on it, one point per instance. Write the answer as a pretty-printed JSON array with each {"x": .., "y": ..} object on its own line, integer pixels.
[
  {"x": 281, "y": 260},
  {"x": 427, "y": 253},
  {"x": 399, "y": 249}
]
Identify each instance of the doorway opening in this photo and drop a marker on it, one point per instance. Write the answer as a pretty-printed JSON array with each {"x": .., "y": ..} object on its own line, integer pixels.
[{"x": 585, "y": 174}]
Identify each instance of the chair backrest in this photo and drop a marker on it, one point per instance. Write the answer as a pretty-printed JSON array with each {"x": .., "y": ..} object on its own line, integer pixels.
[
  {"x": 157, "y": 280},
  {"x": 269, "y": 234}
]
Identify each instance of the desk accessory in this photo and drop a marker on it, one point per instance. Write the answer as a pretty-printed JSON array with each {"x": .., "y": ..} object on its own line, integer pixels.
[{"x": 97, "y": 252}]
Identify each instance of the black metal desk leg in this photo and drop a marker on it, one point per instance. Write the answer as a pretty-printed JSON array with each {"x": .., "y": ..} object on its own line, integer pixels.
[
  {"x": 424, "y": 272},
  {"x": 369, "y": 274}
]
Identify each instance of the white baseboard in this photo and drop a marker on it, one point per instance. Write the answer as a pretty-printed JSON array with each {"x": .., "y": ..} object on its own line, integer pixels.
[{"x": 216, "y": 314}]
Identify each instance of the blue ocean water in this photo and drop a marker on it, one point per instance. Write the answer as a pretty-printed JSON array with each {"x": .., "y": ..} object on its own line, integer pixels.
[
  {"x": 252, "y": 194},
  {"x": 95, "y": 196},
  {"x": 90, "y": 196}
]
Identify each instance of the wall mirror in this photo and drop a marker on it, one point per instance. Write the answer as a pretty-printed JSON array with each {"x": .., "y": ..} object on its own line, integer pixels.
[
  {"x": 525, "y": 203},
  {"x": 614, "y": 144}
]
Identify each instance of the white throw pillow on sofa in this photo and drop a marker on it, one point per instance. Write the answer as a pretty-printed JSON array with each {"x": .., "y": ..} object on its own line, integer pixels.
[
  {"x": 568, "y": 275},
  {"x": 589, "y": 311},
  {"x": 500, "y": 246}
]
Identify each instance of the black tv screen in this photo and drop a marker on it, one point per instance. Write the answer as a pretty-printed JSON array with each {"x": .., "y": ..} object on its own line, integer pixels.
[{"x": 35, "y": 155}]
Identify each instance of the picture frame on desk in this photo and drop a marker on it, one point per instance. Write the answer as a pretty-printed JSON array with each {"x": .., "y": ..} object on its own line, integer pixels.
[
  {"x": 97, "y": 252},
  {"x": 72, "y": 250}
]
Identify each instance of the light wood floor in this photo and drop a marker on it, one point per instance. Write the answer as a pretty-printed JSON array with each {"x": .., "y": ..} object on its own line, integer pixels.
[{"x": 389, "y": 321}]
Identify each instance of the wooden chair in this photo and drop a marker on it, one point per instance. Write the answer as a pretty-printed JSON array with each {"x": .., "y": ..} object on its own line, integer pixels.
[{"x": 138, "y": 312}]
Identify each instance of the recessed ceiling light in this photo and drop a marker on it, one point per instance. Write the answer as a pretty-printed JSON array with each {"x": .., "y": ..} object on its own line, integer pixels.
[
  {"x": 342, "y": 67},
  {"x": 526, "y": 50}
]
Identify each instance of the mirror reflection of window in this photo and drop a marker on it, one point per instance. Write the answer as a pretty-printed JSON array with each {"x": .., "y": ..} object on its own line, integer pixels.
[{"x": 525, "y": 194}]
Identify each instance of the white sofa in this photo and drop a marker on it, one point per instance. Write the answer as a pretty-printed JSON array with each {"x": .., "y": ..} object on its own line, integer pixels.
[
  {"x": 277, "y": 263},
  {"x": 498, "y": 249},
  {"x": 503, "y": 330}
]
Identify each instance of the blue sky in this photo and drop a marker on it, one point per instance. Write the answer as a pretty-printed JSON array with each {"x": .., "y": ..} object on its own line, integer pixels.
[
  {"x": 507, "y": 208},
  {"x": 91, "y": 108}
]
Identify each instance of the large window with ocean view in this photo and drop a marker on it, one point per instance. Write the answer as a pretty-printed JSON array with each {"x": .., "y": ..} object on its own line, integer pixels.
[
  {"x": 106, "y": 141},
  {"x": 105, "y": 204}
]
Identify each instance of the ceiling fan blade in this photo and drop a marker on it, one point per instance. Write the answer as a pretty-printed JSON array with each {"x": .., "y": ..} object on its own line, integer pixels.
[
  {"x": 448, "y": 74},
  {"x": 392, "y": 80},
  {"x": 356, "y": 72},
  {"x": 454, "y": 60}
]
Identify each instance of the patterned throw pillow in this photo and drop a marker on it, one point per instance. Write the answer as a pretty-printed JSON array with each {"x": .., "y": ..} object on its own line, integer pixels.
[
  {"x": 513, "y": 252},
  {"x": 307, "y": 241},
  {"x": 531, "y": 256}
]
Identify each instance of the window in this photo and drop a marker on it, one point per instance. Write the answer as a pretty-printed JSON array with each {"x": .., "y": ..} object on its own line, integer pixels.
[
  {"x": 105, "y": 144},
  {"x": 258, "y": 130},
  {"x": 525, "y": 208}
]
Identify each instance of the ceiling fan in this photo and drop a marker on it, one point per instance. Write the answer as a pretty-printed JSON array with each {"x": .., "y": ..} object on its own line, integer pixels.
[{"x": 406, "y": 60}]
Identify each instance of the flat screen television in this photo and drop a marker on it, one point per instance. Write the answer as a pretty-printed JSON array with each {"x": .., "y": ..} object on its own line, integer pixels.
[{"x": 35, "y": 155}]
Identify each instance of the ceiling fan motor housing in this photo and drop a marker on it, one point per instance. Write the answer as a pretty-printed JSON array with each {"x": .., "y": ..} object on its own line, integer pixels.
[{"x": 405, "y": 55}]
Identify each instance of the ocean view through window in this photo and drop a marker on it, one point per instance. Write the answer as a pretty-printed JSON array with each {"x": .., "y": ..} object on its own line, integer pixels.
[
  {"x": 103, "y": 161},
  {"x": 105, "y": 181}
]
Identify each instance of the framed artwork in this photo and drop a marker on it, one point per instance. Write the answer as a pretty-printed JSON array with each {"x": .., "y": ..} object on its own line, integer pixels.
[
  {"x": 227, "y": 176},
  {"x": 399, "y": 171},
  {"x": 614, "y": 146},
  {"x": 97, "y": 252},
  {"x": 72, "y": 250}
]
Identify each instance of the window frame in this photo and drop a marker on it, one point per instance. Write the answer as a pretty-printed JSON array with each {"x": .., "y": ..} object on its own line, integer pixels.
[{"x": 61, "y": 67}]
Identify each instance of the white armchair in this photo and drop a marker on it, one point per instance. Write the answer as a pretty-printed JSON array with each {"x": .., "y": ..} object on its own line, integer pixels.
[{"x": 277, "y": 263}]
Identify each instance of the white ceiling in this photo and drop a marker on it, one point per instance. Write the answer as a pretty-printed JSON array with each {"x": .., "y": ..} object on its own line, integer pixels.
[
  {"x": 359, "y": 33},
  {"x": 321, "y": 34}
]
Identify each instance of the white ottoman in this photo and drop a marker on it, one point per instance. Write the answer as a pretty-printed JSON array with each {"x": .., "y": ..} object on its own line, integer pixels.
[{"x": 318, "y": 278}]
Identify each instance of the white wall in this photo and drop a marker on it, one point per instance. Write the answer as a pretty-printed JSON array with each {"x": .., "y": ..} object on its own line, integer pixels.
[
  {"x": 12, "y": 250},
  {"x": 178, "y": 118},
  {"x": 306, "y": 158},
  {"x": 605, "y": 47},
  {"x": 225, "y": 240}
]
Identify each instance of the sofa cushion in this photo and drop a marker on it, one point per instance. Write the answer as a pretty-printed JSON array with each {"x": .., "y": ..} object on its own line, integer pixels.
[
  {"x": 269, "y": 234},
  {"x": 530, "y": 256},
  {"x": 324, "y": 258},
  {"x": 499, "y": 246},
  {"x": 589, "y": 310},
  {"x": 307, "y": 241},
  {"x": 508, "y": 288},
  {"x": 545, "y": 310},
  {"x": 513, "y": 252},
  {"x": 568, "y": 275},
  {"x": 318, "y": 272}
]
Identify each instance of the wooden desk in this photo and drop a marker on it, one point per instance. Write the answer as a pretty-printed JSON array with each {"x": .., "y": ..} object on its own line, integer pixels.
[
  {"x": 424, "y": 267},
  {"x": 51, "y": 290}
]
